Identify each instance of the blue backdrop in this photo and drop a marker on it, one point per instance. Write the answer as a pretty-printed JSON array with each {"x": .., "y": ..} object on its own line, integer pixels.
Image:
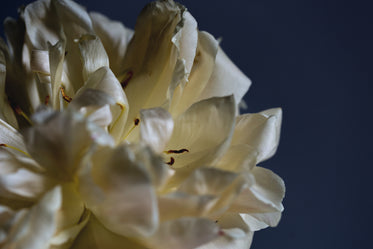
[{"x": 313, "y": 58}]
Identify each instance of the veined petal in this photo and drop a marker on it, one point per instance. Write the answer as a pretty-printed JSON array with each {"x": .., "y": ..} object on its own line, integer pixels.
[
  {"x": 183, "y": 233},
  {"x": 115, "y": 38},
  {"x": 238, "y": 158},
  {"x": 226, "y": 79},
  {"x": 261, "y": 220},
  {"x": 39, "y": 222},
  {"x": 93, "y": 54},
  {"x": 156, "y": 128},
  {"x": 259, "y": 131},
  {"x": 119, "y": 192}
]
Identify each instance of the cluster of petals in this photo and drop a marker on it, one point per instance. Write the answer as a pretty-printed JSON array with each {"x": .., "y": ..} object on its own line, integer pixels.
[{"x": 112, "y": 138}]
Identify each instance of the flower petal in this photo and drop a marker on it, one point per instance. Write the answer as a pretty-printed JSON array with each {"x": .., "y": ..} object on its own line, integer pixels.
[
  {"x": 93, "y": 54},
  {"x": 10, "y": 136},
  {"x": 151, "y": 57},
  {"x": 96, "y": 236},
  {"x": 115, "y": 38},
  {"x": 59, "y": 141},
  {"x": 156, "y": 128},
  {"x": 265, "y": 196},
  {"x": 39, "y": 222},
  {"x": 184, "y": 233},
  {"x": 205, "y": 143},
  {"x": 104, "y": 80},
  {"x": 6, "y": 112},
  {"x": 118, "y": 190},
  {"x": 226, "y": 79},
  {"x": 259, "y": 131},
  {"x": 200, "y": 74}
]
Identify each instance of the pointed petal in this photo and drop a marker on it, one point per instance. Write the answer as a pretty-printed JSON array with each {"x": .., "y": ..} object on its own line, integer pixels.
[
  {"x": 115, "y": 38},
  {"x": 226, "y": 79},
  {"x": 118, "y": 191},
  {"x": 259, "y": 131},
  {"x": 261, "y": 220},
  {"x": 156, "y": 128}
]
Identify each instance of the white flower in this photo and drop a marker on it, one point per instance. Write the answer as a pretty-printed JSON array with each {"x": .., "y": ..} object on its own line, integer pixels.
[{"x": 118, "y": 139}]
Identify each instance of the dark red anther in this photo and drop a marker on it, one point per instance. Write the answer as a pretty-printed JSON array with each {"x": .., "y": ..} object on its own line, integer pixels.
[
  {"x": 136, "y": 121},
  {"x": 177, "y": 151},
  {"x": 125, "y": 82},
  {"x": 46, "y": 101},
  {"x": 171, "y": 162}
]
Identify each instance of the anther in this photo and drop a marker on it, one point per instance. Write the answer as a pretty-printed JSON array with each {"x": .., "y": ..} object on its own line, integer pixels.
[
  {"x": 136, "y": 121},
  {"x": 14, "y": 148},
  {"x": 19, "y": 111},
  {"x": 177, "y": 151},
  {"x": 46, "y": 101},
  {"x": 64, "y": 96},
  {"x": 125, "y": 82},
  {"x": 171, "y": 162}
]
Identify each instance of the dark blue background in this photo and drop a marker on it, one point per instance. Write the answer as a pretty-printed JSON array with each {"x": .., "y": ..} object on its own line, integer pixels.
[{"x": 313, "y": 58}]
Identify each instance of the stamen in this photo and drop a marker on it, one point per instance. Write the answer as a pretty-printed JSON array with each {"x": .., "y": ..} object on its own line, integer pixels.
[
  {"x": 136, "y": 122},
  {"x": 171, "y": 162},
  {"x": 19, "y": 111},
  {"x": 176, "y": 151},
  {"x": 221, "y": 233},
  {"x": 64, "y": 96},
  {"x": 125, "y": 82},
  {"x": 46, "y": 101},
  {"x": 14, "y": 148}
]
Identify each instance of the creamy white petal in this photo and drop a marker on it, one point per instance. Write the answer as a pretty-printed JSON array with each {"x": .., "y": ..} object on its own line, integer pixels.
[
  {"x": 115, "y": 38},
  {"x": 261, "y": 220},
  {"x": 60, "y": 141},
  {"x": 205, "y": 143},
  {"x": 235, "y": 234},
  {"x": 200, "y": 74},
  {"x": 119, "y": 192},
  {"x": 151, "y": 57},
  {"x": 265, "y": 196},
  {"x": 226, "y": 79},
  {"x": 39, "y": 222},
  {"x": 156, "y": 127},
  {"x": 93, "y": 54},
  {"x": 238, "y": 158},
  {"x": 260, "y": 131},
  {"x": 96, "y": 236},
  {"x": 184, "y": 233},
  {"x": 10, "y": 136},
  {"x": 104, "y": 80},
  {"x": 6, "y": 112}
]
